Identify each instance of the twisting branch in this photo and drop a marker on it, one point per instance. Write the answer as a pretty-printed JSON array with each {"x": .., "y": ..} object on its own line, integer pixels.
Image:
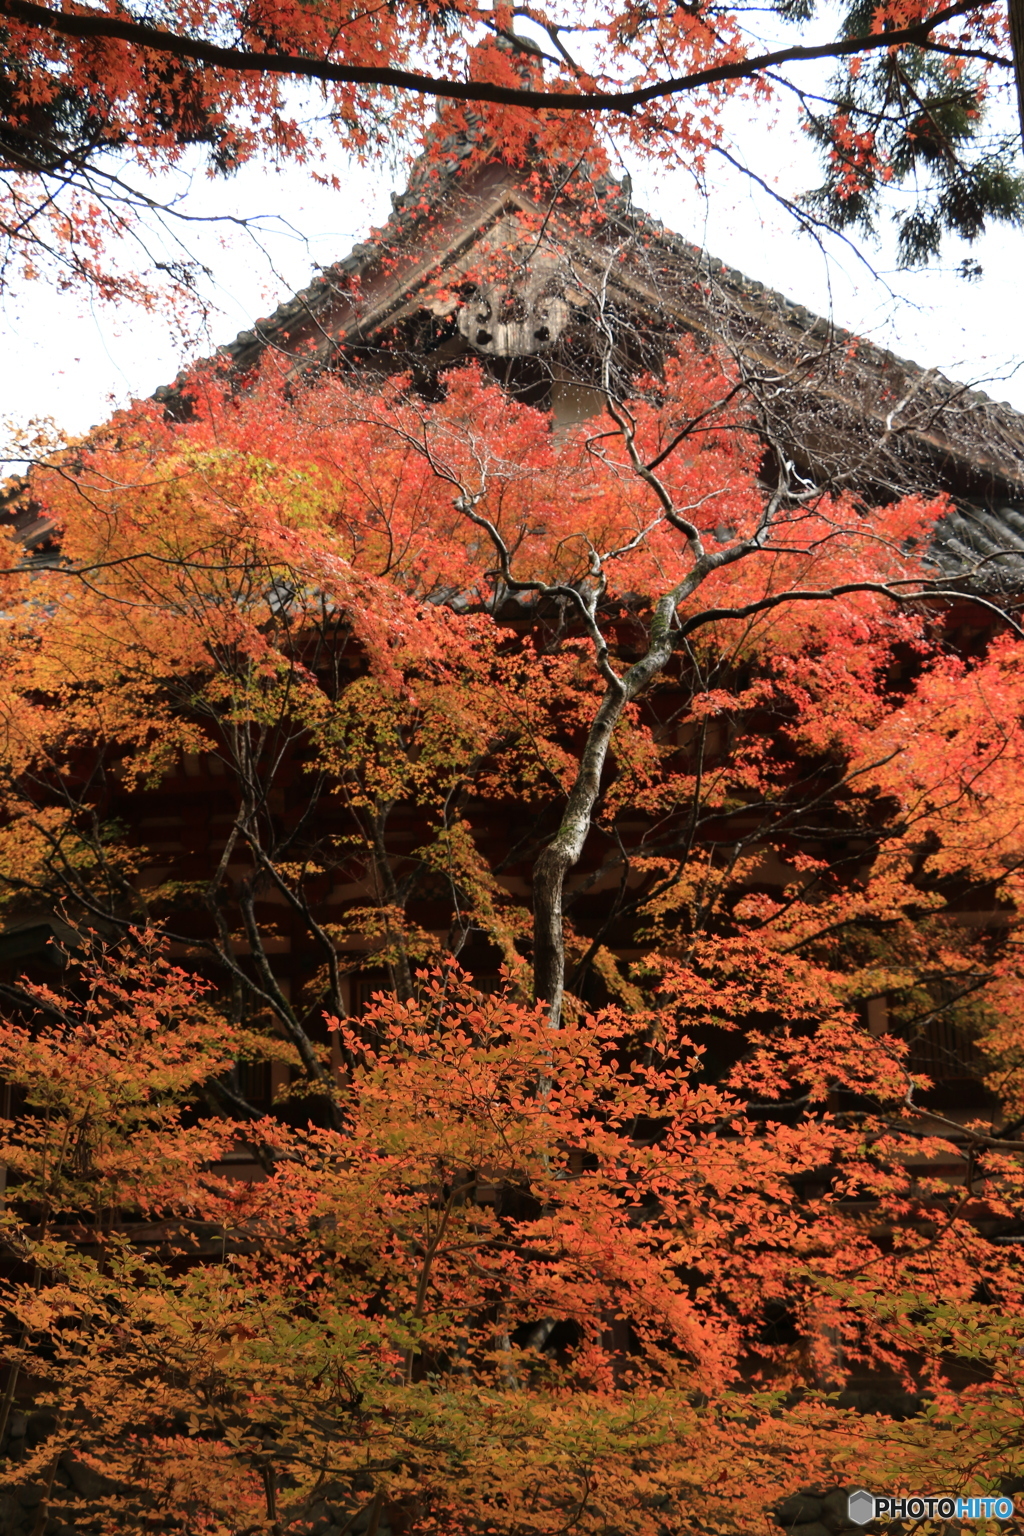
[{"x": 90, "y": 24}]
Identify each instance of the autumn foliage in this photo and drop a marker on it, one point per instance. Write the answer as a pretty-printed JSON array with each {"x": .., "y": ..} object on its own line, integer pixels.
[
  {"x": 547, "y": 814},
  {"x": 92, "y": 96}
]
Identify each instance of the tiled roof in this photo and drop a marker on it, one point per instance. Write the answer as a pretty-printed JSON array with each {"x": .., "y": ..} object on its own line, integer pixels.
[
  {"x": 982, "y": 440},
  {"x": 900, "y": 426},
  {"x": 432, "y": 178},
  {"x": 983, "y": 547}
]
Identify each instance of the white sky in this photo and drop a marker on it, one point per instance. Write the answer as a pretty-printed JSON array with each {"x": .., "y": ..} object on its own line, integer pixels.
[{"x": 69, "y": 361}]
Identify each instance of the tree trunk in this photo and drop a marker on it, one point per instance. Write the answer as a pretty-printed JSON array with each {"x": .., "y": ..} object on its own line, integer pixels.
[
  {"x": 1015, "y": 10},
  {"x": 563, "y": 852}
]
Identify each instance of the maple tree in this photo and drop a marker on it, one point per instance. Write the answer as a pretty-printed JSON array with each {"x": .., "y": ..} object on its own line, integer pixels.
[
  {"x": 628, "y": 778},
  {"x": 85, "y": 91}
]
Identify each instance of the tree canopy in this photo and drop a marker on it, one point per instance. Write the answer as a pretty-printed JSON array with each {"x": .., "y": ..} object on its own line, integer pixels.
[
  {"x": 546, "y": 817},
  {"x": 912, "y": 107}
]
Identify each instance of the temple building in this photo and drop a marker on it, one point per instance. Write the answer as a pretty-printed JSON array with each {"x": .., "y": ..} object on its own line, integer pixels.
[
  {"x": 551, "y": 279},
  {"x": 545, "y": 273}
]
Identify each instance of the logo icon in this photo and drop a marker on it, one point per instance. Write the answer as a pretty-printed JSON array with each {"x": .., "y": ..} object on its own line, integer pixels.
[{"x": 860, "y": 1506}]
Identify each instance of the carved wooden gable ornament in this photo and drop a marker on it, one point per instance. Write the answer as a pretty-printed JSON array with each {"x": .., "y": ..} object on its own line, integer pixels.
[{"x": 524, "y": 315}]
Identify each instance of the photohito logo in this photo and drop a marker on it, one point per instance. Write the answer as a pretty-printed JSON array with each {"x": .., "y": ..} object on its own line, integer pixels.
[{"x": 863, "y": 1507}]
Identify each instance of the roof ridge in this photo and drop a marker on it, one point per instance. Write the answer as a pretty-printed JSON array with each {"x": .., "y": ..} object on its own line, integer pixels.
[{"x": 982, "y": 432}]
